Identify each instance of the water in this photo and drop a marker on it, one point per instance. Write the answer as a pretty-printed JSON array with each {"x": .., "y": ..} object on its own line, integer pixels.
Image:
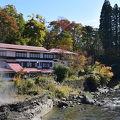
[
  {"x": 109, "y": 111},
  {"x": 84, "y": 112}
]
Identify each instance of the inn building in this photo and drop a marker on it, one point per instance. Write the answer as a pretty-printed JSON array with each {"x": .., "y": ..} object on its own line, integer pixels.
[{"x": 31, "y": 60}]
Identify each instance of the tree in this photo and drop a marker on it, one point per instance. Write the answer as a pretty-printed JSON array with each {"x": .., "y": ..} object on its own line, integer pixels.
[
  {"x": 105, "y": 27},
  {"x": 9, "y": 31},
  {"x": 115, "y": 27},
  {"x": 59, "y": 34},
  {"x": 64, "y": 39},
  {"x": 35, "y": 31},
  {"x": 91, "y": 42},
  {"x": 12, "y": 12},
  {"x": 76, "y": 33}
]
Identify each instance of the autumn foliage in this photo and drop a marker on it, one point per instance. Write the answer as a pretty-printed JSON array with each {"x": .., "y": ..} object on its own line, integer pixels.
[{"x": 97, "y": 75}]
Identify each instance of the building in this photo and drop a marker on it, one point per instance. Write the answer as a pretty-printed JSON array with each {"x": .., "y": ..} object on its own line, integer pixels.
[
  {"x": 31, "y": 60},
  {"x": 13, "y": 58},
  {"x": 62, "y": 56}
]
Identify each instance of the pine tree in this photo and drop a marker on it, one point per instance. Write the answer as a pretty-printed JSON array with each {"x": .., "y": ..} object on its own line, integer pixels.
[
  {"x": 105, "y": 27},
  {"x": 119, "y": 27},
  {"x": 115, "y": 26}
]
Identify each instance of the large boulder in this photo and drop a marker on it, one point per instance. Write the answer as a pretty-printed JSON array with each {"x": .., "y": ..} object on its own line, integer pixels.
[{"x": 85, "y": 99}]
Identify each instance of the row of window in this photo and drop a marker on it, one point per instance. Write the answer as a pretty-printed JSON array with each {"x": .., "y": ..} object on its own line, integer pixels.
[
  {"x": 21, "y": 54},
  {"x": 35, "y": 55},
  {"x": 2, "y": 53},
  {"x": 36, "y": 65},
  {"x": 7, "y": 75},
  {"x": 32, "y": 55},
  {"x": 47, "y": 56}
]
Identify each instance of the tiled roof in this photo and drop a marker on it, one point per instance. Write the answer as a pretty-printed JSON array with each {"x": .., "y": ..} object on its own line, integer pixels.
[
  {"x": 46, "y": 71},
  {"x": 28, "y": 70},
  {"x": 60, "y": 51},
  {"x": 5, "y": 70},
  {"x": 15, "y": 67},
  {"x": 22, "y": 47}
]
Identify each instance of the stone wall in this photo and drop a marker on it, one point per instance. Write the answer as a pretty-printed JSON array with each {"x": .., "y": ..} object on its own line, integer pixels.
[{"x": 26, "y": 110}]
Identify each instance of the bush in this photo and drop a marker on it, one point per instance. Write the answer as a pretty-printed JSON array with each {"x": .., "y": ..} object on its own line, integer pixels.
[
  {"x": 92, "y": 82},
  {"x": 26, "y": 86},
  {"x": 62, "y": 91},
  {"x": 97, "y": 75},
  {"x": 61, "y": 72},
  {"x": 43, "y": 81}
]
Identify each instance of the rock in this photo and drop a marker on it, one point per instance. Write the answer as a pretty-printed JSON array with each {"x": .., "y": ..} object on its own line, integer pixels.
[
  {"x": 27, "y": 109},
  {"x": 103, "y": 90},
  {"x": 63, "y": 99},
  {"x": 87, "y": 100},
  {"x": 62, "y": 104}
]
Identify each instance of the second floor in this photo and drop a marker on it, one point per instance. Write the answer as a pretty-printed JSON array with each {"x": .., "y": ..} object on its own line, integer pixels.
[{"x": 21, "y": 54}]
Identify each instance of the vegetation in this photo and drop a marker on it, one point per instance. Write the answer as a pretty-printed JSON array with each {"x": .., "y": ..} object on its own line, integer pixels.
[
  {"x": 97, "y": 75},
  {"x": 89, "y": 43},
  {"x": 43, "y": 85},
  {"x": 61, "y": 72}
]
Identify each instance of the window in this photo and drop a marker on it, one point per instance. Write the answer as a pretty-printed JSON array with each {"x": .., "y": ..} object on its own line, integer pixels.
[
  {"x": 46, "y": 65},
  {"x": 21, "y": 54},
  {"x": 48, "y": 56},
  {"x": 34, "y": 55},
  {"x": 2, "y": 53}
]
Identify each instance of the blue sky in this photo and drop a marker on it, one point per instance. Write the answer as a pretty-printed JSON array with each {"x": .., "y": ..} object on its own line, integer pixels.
[{"x": 86, "y": 12}]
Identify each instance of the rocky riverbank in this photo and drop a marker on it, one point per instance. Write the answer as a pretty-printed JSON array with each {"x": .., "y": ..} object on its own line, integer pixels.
[
  {"x": 101, "y": 98},
  {"x": 27, "y": 109},
  {"x": 36, "y": 107}
]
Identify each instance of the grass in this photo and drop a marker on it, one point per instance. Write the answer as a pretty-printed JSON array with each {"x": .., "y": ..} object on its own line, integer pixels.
[
  {"x": 72, "y": 78},
  {"x": 43, "y": 85}
]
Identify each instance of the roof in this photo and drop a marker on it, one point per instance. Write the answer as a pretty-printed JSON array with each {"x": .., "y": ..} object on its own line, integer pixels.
[
  {"x": 15, "y": 67},
  {"x": 22, "y": 47},
  {"x": 46, "y": 71},
  {"x": 60, "y": 51},
  {"x": 28, "y": 70},
  {"x": 5, "y": 70}
]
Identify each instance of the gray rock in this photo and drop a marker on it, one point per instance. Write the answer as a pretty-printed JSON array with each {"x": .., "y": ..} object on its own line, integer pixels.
[
  {"x": 62, "y": 104},
  {"x": 87, "y": 100},
  {"x": 27, "y": 109}
]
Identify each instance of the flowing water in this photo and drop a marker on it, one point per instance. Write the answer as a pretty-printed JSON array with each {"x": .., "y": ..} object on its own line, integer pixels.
[
  {"x": 110, "y": 111},
  {"x": 84, "y": 112}
]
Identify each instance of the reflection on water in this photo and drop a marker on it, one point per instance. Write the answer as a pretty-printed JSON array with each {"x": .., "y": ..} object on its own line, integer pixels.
[{"x": 84, "y": 112}]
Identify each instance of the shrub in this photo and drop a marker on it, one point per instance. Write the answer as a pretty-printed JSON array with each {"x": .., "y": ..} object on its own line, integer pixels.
[
  {"x": 25, "y": 86},
  {"x": 43, "y": 81},
  {"x": 61, "y": 72},
  {"x": 92, "y": 82},
  {"x": 62, "y": 91},
  {"x": 97, "y": 75}
]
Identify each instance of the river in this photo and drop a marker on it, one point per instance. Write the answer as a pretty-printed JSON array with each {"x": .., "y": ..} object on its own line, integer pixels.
[
  {"x": 109, "y": 111},
  {"x": 84, "y": 112}
]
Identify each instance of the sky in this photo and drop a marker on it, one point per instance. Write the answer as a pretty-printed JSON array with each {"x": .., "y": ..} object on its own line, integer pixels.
[{"x": 86, "y": 12}]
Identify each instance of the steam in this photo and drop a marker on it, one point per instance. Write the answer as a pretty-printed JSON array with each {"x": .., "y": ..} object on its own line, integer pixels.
[{"x": 7, "y": 90}]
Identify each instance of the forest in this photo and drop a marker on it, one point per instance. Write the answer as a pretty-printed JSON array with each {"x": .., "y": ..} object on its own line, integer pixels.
[{"x": 101, "y": 44}]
